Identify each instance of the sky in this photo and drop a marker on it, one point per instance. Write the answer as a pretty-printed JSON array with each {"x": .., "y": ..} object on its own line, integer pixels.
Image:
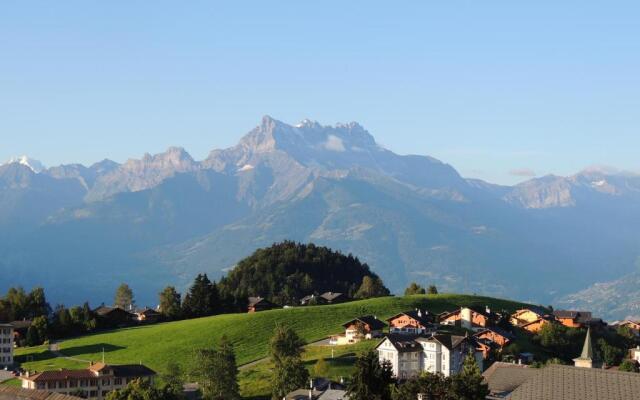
[{"x": 501, "y": 90}]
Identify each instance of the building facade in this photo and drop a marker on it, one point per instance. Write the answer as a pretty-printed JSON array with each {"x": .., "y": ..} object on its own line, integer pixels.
[
  {"x": 95, "y": 382},
  {"x": 435, "y": 354},
  {"x": 6, "y": 345}
]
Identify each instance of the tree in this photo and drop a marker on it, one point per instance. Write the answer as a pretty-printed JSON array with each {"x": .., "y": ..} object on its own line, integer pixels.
[
  {"x": 435, "y": 386},
  {"x": 371, "y": 287},
  {"x": 124, "y": 297},
  {"x": 140, "y": 389},
  {"x": 203, "y": 298},
  {"x": 173, "y": 379},
  {"x": 371, "y": 379},
  {"x": 469, "y": 384},
  {"x": 611, "y": 355},
  {"x": 170, "y": 305},
  {"x": 37, "y": 304},
  {"x": 414, "y": 288},
  {"x": 432, "y": 289},
  {"x": 321, "y": 369},
  {"x": 289, "y": 372},
  {"x": 629, "y": 366},
  {"x": 217, "y": 372}
]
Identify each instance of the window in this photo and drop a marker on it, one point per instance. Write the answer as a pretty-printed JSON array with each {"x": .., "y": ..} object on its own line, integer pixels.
[
  {"x": 106, "y": 382},
  {"x": 117, "y": 381},
  {"x": 93, "y": 393}
]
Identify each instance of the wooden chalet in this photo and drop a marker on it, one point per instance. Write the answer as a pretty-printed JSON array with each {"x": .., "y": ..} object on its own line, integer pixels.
[
  {"x": 114, "y": 316},
  {"x": 333, "y": 297},
  {"x": 496, "y": 335},
  {"x": 634, "y": 326},
  {"x": 256, "y": 304},
  {"x": 415, "y": 322},
  {"x": 470, "y": 318},
  {"x": 365, "y": 327},
  {"x": 528, "y": 315},
  {"x": 148, "y": 315},
  {"x": 536, "y": 325},
  {"x": 577, "y": 319}
]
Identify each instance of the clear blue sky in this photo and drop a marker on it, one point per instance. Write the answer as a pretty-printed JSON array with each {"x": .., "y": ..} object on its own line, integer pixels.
[{"x": 490, "y": 87}]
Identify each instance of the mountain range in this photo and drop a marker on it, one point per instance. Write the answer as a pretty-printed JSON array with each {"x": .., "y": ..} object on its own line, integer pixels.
[{"x": 80, "y": 231}]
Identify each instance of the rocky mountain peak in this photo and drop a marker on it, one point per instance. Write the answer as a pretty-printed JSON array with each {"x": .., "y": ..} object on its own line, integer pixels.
[{"x": 34, "y": 165}]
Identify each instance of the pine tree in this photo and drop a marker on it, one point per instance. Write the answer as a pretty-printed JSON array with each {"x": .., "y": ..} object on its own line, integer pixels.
[
  {"x": 202, "y": 299},
  {"x": 371, "y": 379},
  {"x": 414, "y": 288},
  {"x": 469, "y": 384},
  {"x": 217, "y": 372}
]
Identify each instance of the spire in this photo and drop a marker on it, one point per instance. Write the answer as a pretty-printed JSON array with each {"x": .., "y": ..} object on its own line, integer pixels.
[{"x": 587, "y": 348}]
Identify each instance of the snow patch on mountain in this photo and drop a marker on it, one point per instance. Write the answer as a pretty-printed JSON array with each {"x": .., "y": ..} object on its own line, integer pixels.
[
  {"x": 35, "y": 165},
  {"x": 334, "y": 143}
]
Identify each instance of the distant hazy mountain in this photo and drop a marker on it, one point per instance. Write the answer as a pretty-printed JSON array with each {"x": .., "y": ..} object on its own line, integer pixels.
[{"x": 164, "y": 218}]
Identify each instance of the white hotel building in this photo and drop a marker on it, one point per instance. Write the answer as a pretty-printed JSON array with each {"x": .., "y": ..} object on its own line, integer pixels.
[{"x": 6, "y": 345}]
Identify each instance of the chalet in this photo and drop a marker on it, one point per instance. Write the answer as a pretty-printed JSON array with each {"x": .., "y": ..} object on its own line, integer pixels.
[
  {"x": 311, "y": 300},
  {"x": 147, "y": 315},
  {"x": 470, "y": 318},
  {"x": 416, "y": 322},
  {"x": 410, "y": 357},
  {"x": 634, "y": 326},
  {"x": 485, "y": 347},
  {"x": 577, "y": 319},
  {"x": 95, "y": 382},
  {"x": 496, "y": 335},
  {"x": 365, "y": 327},
  {"x": 536, "y": 325},
  {"x": 527, "y": 315},
  {"x": 333, "y": 297},
  {"x": 114, "y": 316},
  {"x": 6, "y": 345},
  {"x": 260, "y": 304}
]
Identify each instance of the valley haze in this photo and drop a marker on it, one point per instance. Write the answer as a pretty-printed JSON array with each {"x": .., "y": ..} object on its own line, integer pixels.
[{"x": 80, "y": 231}]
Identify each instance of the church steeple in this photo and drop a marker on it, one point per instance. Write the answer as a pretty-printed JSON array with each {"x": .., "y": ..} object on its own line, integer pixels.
[{"x": 588, "y": 358}]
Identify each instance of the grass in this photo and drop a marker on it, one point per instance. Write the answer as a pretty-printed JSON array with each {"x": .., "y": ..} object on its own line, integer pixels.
[
  {"x": 255, "y": 381},
  {"x": 156, "y": 345}
]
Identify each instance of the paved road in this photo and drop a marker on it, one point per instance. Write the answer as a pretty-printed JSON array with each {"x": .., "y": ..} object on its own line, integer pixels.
[{"x": 321, "y": 342}]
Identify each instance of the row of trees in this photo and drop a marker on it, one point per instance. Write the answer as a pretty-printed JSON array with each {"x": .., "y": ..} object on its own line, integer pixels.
[{"x": 415, "y": 288}]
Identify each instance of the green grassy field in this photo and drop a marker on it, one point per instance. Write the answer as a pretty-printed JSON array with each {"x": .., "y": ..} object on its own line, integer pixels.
[{"x": 156, "y": 345}]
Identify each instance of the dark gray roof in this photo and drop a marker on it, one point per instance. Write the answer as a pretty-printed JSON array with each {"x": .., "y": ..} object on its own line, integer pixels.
[
  {"x": 505, "y": 377},
  {"x": 448, "y": 341},
  {"x": 330, "y": 296},
  {"x": 403, "y": 343},
  {"x": 561, "y": 382}
]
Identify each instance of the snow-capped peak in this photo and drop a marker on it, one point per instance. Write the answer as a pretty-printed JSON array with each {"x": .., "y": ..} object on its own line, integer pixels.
[{"x": 35, "y": 165}]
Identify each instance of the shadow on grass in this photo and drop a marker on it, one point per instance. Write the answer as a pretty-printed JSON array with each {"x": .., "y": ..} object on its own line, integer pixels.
[
  {"x": 36, "y": 356},
  {"x": 90, "y": 349},
  {"x": 343, "y": 360}
]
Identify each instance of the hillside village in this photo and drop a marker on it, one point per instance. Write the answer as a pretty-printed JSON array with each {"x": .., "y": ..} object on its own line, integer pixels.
[{"x": 411, "y": 347}]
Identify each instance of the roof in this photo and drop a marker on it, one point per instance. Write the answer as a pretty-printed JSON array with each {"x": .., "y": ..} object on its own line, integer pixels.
[
  {"x": 403, "y": 343},
  {"x": 583, "y": 317},
  {"x": 373, "y": 322},
  {"x": 6, "y": 325},
  {"x": 120, "y": 371},
  {"x": 147, "y": 311},
  {"x": 253, "y": 301},
  {"x": 536, "y": 309},
  {"x": 23, "y": 324},
  {"x": 587, "y": 348},
  {"x": 448, "y": 341},
  {"x": 333, "y": 394},
  {"x": 497, "y": 330},
  {"x": 420, "y": 316},
  {"x": 104, "y": 310},
  {"x": 17, "y": 393},
  {"x": 330, "y": 296},
  {"x": 506, "y": 377},
  {"x": 561, "y": 382}
]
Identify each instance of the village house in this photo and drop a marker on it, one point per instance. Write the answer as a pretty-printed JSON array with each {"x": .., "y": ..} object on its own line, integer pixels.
[
  {"x": 147, "y": 315},
  {"x": 577, "y": 319},
  {"x": 486, "y": 347},
  {"x": 634, "y": 354},
  {"x": 496, "y": 335},
  {"x": 6, "y": 345},
  {"x": 257, "y": 304},
  {"x": 312, "y": 300},
  {"x": 94, "y": 383},
  {"x": 536, "y": 325},
  {"x": 416, "y": 322},
  {"x": 365, "y": 327},
  {"x": 469, "y": 318},
  {"x": 333, "y": 297},
  {"x": 320, "y": 389},
  {"x": 409, "y": 357},
  {"x": 114, "y": 316},
  {"x": 633, "y": 326},
  {"x": 527, "y": 315}
]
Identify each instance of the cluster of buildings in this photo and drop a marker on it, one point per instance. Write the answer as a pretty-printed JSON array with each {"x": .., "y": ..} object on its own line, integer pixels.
[
  {"x": 258, "y": 303},
  {"x": 585, "y": 380}
]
